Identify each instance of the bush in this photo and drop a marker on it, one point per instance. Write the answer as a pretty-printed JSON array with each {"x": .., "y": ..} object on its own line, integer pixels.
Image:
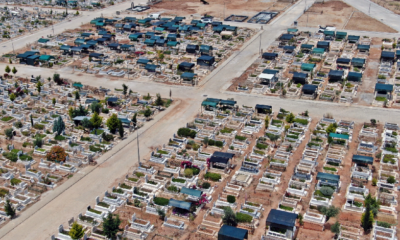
[
  {"x": 173, "y": 188},
  {"x": 161, "y": 201},
  {"x": 18, "y": 124},
  {"x": 188, "y": 172},
  {"x": 38, "y": 126},
  {"x": 196, "y": 171},
  {"x": 231, "y": 199},
  {"x": 212, "y": 176},
  {"x": 219, "y": 143},
  {"x": 105, "y": 110},
  {"x": 107, "y": 137},
  {"x": 186, "y": 132},
  {"x": 206, "y": 185},
  {"x": 327, "y": 191},
  {"x": 391, "y": 180},
  {"x": 57, "y": 154},
  {"x": 13, "y": 157},
  {"x": 383, "y": 224},
  {"x": 211, "y": 142},
  {"x": 242, "y": 217}
]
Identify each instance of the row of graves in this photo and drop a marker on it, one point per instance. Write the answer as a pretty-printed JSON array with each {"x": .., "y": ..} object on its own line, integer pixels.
[
  {"x": 50, "y": 142},
  {"x": 326, "y": 66},
  {"x": 16, "y": 22},
  {"x": 172, "y": 50},
  {"x": 386, "y": 86},
  {"x": 61, "y": 5},
  {"x": 209, "y": 161}
]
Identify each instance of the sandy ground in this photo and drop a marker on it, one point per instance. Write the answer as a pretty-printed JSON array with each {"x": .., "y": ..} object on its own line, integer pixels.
[
  {"x": 393, "y": 6},
  {"x": 338, "y": 13},
  {"x": 216, "y": 7}
]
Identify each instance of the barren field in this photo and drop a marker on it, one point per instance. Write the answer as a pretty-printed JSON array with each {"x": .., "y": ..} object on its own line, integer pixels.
[
  {"x": 216, "y": 7},
  {"x": 393, "y": 6},
  {"x": 338, "y": 13}
]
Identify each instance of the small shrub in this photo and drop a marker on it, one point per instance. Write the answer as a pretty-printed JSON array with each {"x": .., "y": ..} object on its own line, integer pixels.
[
  {"x": 161, "y": 201},
  {"x": 206, "y": 185},
  {"x": 188, "y": 173},
  {"x": 242, "y": 217},
  {"x": 212, "y": 176},
  {"x": 231, "y": 199},
  {"x": 327, "y": 191}
]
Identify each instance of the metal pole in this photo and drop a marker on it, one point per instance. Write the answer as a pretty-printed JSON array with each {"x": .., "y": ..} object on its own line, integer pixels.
[{"x": 137, "y": 138}]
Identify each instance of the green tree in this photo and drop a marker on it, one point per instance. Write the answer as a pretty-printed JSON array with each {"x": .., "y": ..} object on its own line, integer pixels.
[
  {"x": 266, "y": 122},
  {"x": 229, "y": 217},
  {"x": 112, "y": 123},
  {"x": 7, "y": 69},
  {"x": 38, "y": 142},
  {"x": 12, "y": 97},
  {"x": 9, "y": 133},
  {"x": 372, "y": 203},
  {"x": 14, "y": 70},
  {"x": 96, "y": 107},
  {"x": 367, "y": 219},
  {"x": 49, "y": 79},
  {"x": 391, "y": 180},
  {"x": 147, "y": 113},
  {"x": 87, "y": 124},
  {"x": 134, "y": 119},
  {"x": 77, "y": 95},
  {"x": 9, "y": 209},
  {"x": 57, "y": 78},
  {"x": 335, "y": 228},
  {"x": 273, "y": 138},
  {"x": 124, "y": 89},
  {"x": 58, "y": 126},
  {"x": 96, "y": 121},
  {"x": 329, "y": 212},
  {"x": 76, "y": 231},
  {"x": 111, "y": 226},
  {"x": 39, "y": 85},
  {"x": 290, "y": 118},
  {"x": 159, "y": 101},
  {"x": 161, "y": 213},
  {"x": 120, "y": 129},
  {"x": 331, "y": 128},
  {"x": 77, "y": 13},
  {"x": 54, "y": 101},
  {"x": 31, "y": 120}
]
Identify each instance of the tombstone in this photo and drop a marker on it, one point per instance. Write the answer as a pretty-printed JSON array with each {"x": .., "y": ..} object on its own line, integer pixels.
[
  {"x": 97, "y": 200},
  {"x": 10, "y": 147}
]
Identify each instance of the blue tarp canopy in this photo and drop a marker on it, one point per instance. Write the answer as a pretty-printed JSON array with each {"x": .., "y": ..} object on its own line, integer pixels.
[
  {"x": 341, "y": 35},
  {"x": 343, "y": 60},
  {"x": 86, "y": 34},
  {"x": 96, "y": 55},
  {"x": 205, "y": 60},
  {"x": 126, "y": 46},
  {"x": 354, "y": 76},
  {"x": 112, "y": 99},
  {"x": 380, "y": 87},
  {"x": 327, "y": 177},
  {"x": 43, "y": 40},
  {"x": 102, "y": 32},
  {"x": 271, "y": 71},
  {"x": 269, "y": 56},
  {"x": 160, "y": 42},
  {"x": 150, "y": 42},
  {"x": 124, "y": 120},
  {"x": 358, "y": 61},
  {"x": 150, "y": 67},
  {"x": 289, "y": 48},
  {"x": 119, "y": 25},
  {"x": 113, "y": 45},
  {"x": 65, "y": 47},
  {"x": 205, "y": 48},
  {"x": 307, "y": 46},
  {"x": 340, "y": 136},
  {"x": 261, "y": 106},
  {"x": 397, "y": 53},
  {"x": 362, "y": 159},
  {"x": 149, "y": 34},
  {"x": 353, "y": 38},
  {"x": 76, "y": 49},
  {"x": 79, "y": 41},
  {"x": 309, "y": 88},
  {"x": 329, "y": 33},
  {"x": 363, "y": 47},
  {"x": 227, "y": 102},
  {"x": 172, "y": 37},
  {"x": 86, "y": 46},
  {"x": 221, "y": 154},
  {"x": 159, "y": 29},
  {"x": 323, "y": 44},
  {"x": 179, "y": 204},
  {"x": 129, "y": 19},
  {"x": 178, "y": 19},
  {"x": 91, "y": 42},
  {"x": 232, "y": 233},
  {"x": 78, "y": 85},
  {"x": 286, "y": 36},
  {"x": 209, "y": 103},
  {"x": 290, "y": 30},
  {"x": 187, "y": 75},
  {"x": 336, "y": 74},
  {"x": 299, "y": 75},
  {"x": 142, "y": 61},
  {"x": 386, "y": 54},
  {"x": 102, "y": 39},
  {"x": 191, "y": 48},
  {"x": 318, "y": 50},
  {"x": 281, "y": 219},
  {"x": 191, "y": 192},
  {"x": 186, "y": 65},
  {"x": 307, "y": 66}
]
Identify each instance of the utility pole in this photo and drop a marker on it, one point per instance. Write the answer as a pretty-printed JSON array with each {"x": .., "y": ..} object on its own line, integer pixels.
[
  {"x": 12, "y": 43},
  {"x": 137, "y": 138}
]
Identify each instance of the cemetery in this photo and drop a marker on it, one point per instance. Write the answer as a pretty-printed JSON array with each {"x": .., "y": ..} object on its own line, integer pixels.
[
  {"x": 325, "y": 66},
  {"x": 51, "y": 128},
  {"x": 171, "y": 50},
  {"x": 211, "y": 168}
]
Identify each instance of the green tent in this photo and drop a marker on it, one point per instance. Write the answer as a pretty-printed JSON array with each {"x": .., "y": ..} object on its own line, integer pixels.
[
  {"x": 45, "y": 58},
  {"x": 209, "y": 104},
  {"x": 307, "y": 67},
  {"x": 318, "y": 51}
]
